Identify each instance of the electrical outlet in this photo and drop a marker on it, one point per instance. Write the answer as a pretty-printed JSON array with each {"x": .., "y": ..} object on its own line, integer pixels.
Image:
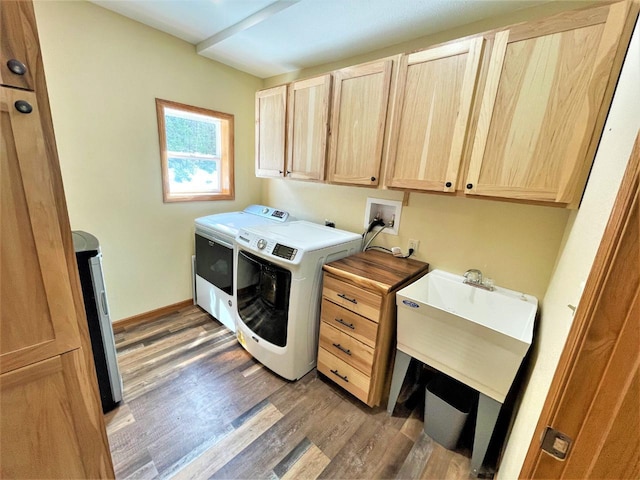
[{"x": 414, "y": 244}]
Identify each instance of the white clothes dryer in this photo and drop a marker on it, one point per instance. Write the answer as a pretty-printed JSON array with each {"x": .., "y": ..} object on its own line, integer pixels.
[{"x": 279, "y": 287}]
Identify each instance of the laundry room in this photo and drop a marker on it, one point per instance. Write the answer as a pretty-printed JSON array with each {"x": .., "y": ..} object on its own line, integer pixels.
[{"x": 257, "y": 328}]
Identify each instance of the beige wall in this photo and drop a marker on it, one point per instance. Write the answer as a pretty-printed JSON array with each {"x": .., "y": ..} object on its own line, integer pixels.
[
  {"x": 514, "y": 244},
  {"x": 104, "y": 72}
]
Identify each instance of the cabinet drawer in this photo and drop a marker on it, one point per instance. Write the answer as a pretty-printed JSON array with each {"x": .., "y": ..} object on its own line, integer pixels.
[
  {"x": 346, "y": 348},
  {"x": 355, "y": 299},
  {"x": 344, "y": 374},
  {"x": 350, "y": 323}
]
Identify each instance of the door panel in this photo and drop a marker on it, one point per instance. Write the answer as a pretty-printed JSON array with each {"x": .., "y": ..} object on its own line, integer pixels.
[
  {"x": 358, "y": 119},
  {"x": 433, "y": 103},
  {"x": 308, "y": 128},
  {"x": 38, "y": 318},
  {"x": 270, "y": 131},
  {"x": 595, "y": 393},
  {"x": 18, "y": 42},
  {"x": 51, "y": 400}
]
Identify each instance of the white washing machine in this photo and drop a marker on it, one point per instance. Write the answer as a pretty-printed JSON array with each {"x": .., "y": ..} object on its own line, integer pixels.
[
  {"x": 214, "y": 265},
  {"x": 279, "y": 287}
]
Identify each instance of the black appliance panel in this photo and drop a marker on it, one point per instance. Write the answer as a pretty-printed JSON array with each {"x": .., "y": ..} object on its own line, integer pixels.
[
  {"x": 263, "y": 301},
  {"x": 214, "y": 263}
]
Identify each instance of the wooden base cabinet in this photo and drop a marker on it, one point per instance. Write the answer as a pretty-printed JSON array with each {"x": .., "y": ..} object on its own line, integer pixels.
[{"x": 358, "y": 321}]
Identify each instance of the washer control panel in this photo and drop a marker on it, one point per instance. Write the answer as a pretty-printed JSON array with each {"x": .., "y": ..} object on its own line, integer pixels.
[
  {"x": 282, "y": 251},
  {"x": 268, "y": 247}
]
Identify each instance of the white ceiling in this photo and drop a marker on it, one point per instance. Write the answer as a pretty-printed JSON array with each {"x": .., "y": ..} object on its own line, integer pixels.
[{"x": 270, "y": 37}]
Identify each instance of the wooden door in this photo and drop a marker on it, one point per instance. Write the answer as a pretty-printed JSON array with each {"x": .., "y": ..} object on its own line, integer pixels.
[
  {"x": 308, "y": 126},
  {"x": 37, "y": 312},
  {"x": 358, "y": 118},
  {"x": 46, "y": 430},
  {"x": 536, "y": 133},
  {"x": 271, "y": 120},
  {"x": 595, "y": 394},
  {"x": 432, "y": 104},
  {"x": 19, "y": 47}
]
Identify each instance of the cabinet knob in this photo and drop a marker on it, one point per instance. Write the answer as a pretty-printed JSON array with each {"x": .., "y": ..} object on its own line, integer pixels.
[
  {"x": 448, "y": 184},
  {"x": 373, "y": 179},
  {"x": 17, "y": 67},
  {"x": 280, "y": 172},
  {"x": 23, "y": 106},
  {"x": 469, "y": 186},
  {"x": 288, "y": 173}
]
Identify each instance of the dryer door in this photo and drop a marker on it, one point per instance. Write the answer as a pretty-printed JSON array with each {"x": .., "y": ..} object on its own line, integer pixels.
[
  {"x": 214, "y": 263},
  {"x": 263, "y": 297}
]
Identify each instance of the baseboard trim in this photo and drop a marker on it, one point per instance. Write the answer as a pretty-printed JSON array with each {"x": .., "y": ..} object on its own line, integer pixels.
[{"x": 150, "y": 315}]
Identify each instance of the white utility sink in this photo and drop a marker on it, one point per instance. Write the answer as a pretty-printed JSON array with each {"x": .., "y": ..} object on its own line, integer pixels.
[{"x": 476, "y": 336}]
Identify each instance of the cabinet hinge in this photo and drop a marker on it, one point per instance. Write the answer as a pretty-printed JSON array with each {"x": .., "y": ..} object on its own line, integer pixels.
[{"x": 556, "y": 443}]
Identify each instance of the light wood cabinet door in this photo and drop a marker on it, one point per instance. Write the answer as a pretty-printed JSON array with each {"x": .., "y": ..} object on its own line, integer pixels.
[
  {"x": 308, "y": 125},
  {"x": 37, "y": 314},
  {"x": 358, "y": 118},
  {"x": 271, "y": 110},
  {"x": 432, "y": 106},
  {"x": 50, "y": 422},
  {"x": 542, "y": 99},
  {"x": 19, "y": 47}
]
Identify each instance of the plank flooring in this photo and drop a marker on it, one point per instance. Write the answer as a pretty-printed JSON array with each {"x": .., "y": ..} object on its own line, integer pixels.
[{"x": 196, "y": 405}]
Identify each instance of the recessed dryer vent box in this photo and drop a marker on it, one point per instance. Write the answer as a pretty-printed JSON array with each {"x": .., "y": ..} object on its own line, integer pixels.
[{"x": 388, "y": 210}]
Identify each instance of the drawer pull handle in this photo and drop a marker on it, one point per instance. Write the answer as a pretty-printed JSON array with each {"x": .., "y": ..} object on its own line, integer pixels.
[
  {"x": 343, "y": 377},
  {"x": 352, "y": 300},
  {"x": 342, "y": 349},
  {"x": 342, "y": 322}
]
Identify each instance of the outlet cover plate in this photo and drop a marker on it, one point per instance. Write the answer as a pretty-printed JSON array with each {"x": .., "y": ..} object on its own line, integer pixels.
[{"x": 387, "y": 209}]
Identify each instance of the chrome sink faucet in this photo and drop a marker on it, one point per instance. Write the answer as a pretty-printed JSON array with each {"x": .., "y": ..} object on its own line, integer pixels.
[{"x": 473, "y": 277}]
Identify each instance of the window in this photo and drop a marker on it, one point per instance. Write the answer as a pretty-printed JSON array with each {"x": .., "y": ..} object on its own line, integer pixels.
[{"x": 196, "y": 151}]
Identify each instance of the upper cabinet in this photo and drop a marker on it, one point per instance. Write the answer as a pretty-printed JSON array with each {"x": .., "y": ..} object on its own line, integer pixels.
[
  {"x": 271, "y": 117},
  {"x": 19, "y": 46},
  {"x": 543, "y": 95},
  {"x": 358, "y": 117},
  {"x": 308, "y": 123},
  {"x": 512, "y": 114},
  {"x": 432, "y": 106}
]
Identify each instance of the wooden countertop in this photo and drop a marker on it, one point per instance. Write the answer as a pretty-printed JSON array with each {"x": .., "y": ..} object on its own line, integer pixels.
[{"x": 377, "y": 270}]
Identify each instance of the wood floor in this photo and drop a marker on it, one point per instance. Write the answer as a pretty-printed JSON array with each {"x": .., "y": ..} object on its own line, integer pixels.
[{"x": 198, "y": 406}]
